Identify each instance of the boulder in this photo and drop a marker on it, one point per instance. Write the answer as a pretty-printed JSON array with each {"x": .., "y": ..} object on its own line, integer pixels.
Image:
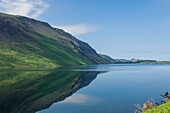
[
  {"x": 167, "y": 99},
  {"x": 148, "y": 105}
]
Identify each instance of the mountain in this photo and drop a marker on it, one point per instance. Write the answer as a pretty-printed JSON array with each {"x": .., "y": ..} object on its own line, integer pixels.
[
  {"x": 142, "y": 61},
  {"x": 132, "y": 61},
  {"x": 114, "y": 61},
  {"x": 26, "y": 42}
]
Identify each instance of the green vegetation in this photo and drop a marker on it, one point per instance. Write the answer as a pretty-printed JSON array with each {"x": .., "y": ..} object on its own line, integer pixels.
[
  {"x": 31, "y": 91},
  {"x": 164, "y": 62},
  {"x": 114, "y": 61},
  {"x": 164, "y": 108},
  {"x": 43, "y": 54},
  {"x": 118, "y": 61},
  {"x": 26, "y": 42}
]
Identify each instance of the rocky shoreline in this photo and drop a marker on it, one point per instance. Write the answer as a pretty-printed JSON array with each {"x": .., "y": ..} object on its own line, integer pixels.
[{"x": 149, "y": 105}]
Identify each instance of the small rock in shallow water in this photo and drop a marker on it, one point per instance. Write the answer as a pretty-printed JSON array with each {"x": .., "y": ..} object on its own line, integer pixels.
[
  {"x": 148, "y": 105},
  {"x": 167, "y": 99},
  {"x": 166, "y": 94}
]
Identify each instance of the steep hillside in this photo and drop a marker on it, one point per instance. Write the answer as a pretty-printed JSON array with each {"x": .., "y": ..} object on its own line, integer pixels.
[{"x": 27, "y": 42}]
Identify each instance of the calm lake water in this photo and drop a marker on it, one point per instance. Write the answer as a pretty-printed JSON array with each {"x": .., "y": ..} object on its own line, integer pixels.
[{"x": 83, "y": 89}]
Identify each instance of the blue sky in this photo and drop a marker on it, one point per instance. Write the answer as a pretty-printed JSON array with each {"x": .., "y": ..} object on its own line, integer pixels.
[{"x": 119, "y": 28}]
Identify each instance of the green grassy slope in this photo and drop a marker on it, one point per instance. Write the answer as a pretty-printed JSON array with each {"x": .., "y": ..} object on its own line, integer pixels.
[
  {"x": 124, "y": 61},
  {"x": 26, "y": 42},
  {"x": 164, "y": 108}
]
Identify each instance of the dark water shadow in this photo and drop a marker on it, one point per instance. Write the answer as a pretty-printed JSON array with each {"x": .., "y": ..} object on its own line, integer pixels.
[{"x": 31, "y": 91}]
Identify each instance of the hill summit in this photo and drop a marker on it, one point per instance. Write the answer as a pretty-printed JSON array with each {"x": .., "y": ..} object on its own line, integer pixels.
[{"x": 26, "y": 42}]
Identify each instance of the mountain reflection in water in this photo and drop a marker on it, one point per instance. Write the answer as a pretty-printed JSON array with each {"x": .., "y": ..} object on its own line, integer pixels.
[{"x": 31, "y": 91}]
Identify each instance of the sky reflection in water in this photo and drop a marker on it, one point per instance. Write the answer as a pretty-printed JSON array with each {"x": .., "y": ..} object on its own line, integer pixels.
[{"x": 118, "y": 90}]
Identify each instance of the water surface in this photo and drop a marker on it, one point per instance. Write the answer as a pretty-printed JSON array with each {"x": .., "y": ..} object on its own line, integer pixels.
[{"x": 82, "y": 89}]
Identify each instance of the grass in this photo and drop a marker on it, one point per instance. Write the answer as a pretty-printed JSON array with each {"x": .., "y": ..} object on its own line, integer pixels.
[
  {"x": 164, "y": 108},
  {"x": 27, "y": 42},
  {"x": 42, "y": 52}
]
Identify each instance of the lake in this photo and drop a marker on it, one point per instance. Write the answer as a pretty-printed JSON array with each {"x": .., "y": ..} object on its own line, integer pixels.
[{"x": 109, "y": 88}]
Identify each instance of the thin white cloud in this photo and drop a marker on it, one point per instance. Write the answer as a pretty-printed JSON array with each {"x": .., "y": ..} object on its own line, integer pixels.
[
  {"x": 79, "y": 29},
  {"x": 29, "y": 8}
]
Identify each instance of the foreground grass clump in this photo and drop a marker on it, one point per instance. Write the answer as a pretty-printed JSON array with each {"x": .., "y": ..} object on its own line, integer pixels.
[{"x": 164, "y": 108}]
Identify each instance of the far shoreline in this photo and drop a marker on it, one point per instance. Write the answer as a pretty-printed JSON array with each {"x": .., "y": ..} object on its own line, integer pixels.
[{"x": 60, "y": 66}]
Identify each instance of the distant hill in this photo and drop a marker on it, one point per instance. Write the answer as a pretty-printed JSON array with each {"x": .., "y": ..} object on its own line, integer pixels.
[
  {"x": 142, "y": 61},
  {"x": 113, "y": 61},
  {"x": 26, "y": 42},
  {"x": 124, "y": 61}
]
